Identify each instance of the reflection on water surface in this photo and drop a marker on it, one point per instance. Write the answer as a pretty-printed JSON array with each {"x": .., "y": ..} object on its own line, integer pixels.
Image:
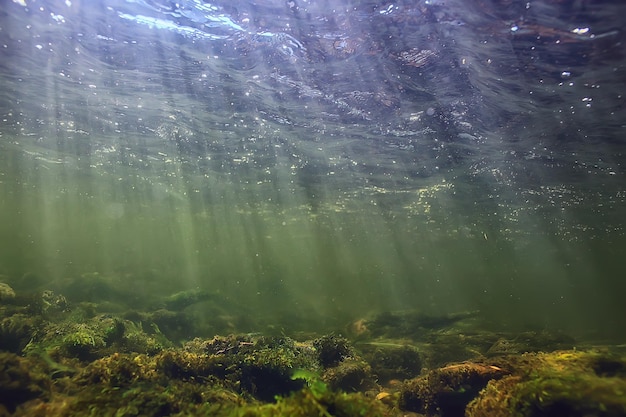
[{"x": 320, "y": 160}]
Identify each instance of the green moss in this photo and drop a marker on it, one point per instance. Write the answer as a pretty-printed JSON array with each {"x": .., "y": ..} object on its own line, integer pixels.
[
  {"x": 446, "y": 391},
  {"x": 331, "y": 350},
  {"x": 21, "y": 379},
  {"x": 569, "y": 383},
  {"x": 393, "y": 361},
  {"x": 350, "y": 376},
  {"x": 16, "y": 332},
  {"x": 83, "y": 342},
  {"x": 94, "y": 338},
  {"x": 134, "y": 339},
  {"x": 313, "y": 380},
  {"x": 184, "y": 299},
  {"x": 307, "y": 402}
]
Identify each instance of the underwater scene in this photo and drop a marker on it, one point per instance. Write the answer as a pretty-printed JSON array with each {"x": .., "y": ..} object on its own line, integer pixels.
[{"x": 313, "y": 208}]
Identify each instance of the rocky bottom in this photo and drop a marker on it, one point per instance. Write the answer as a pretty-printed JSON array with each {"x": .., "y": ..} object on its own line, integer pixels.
[{"x": 58, "y": 359}]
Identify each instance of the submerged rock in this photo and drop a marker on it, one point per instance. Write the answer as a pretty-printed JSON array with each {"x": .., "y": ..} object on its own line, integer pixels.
[
  {"x": 80, "y": 361},
  {"x": 6, "y": 292},
  {"x": 184, "y": 299},
  {"x": 405, "y": 323},
  {"x": 541, "y": 341},
  {"x": 391, "y": 361},
  {"x": 331, "y": 350},
  {"x": 447, "y": 391},
  {"x": 351, "y": 375},
  {"x": 562, "y": 383},
  {"x": 20, "y": 381},
  {"x": 16, "y": 332}
]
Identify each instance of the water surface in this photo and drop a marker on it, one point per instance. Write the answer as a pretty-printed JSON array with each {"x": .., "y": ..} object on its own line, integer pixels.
[{"x": 321, "y": 160}]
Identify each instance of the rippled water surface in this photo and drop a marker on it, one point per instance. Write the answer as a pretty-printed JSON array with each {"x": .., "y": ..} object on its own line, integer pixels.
[{"x": 321, "y": 159}]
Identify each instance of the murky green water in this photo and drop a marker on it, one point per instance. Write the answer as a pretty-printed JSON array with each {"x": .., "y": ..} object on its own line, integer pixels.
[{"x": 310, "y": 175}]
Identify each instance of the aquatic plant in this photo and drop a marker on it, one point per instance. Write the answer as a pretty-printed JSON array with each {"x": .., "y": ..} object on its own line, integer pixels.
[
  {"x": 81, "y": 362},
  {"x": 313, "y": 380},
  {"x": 83, "y": 341}
]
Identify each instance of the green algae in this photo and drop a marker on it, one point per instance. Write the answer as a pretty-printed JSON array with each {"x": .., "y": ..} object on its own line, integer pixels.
[
  {"x": 564, "y": 383},
  {"x": 80, "y": 361}
]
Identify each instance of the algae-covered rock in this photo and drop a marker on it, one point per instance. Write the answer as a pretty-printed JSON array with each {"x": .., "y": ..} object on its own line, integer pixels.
[
  {"x": 29, "y": 281},
  {"x": 16, "y": 332},
  {"x": 53, "y": 304},
  {"x": 323, "y": 403},
  {"x": 446, "y": 391},
  {"x": 184, "y": 299},
  {"x": 332, "y": 349},
  {"x": 261, "y": 366},
  {"x": 564, "y": 383},
  {"x": 83, "y": 341},
  {"x": 133, "y": 385},
  {"x": 135, "y": 339},
  {"x": 351, "y": 375},
  {"x": 20, "y": 381},
  {"x": 176, "y": 326},
  {"x": 117, "y": 370},
  {"x": 45, "y": 304},
  {"x": 94, "y": 338},
  {"x": 6, "y": 292},
  {"x": 392, "y": 360},
  {"x": 82, "y": 362},
  {"x": 410, "y": 323},
  {"x": 93, "y": 287},
  {"x": 529, "y": 341}
]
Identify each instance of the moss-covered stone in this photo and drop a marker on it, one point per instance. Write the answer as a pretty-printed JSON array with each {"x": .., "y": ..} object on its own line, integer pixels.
[
  {"x": 446, "y": 391},
  {"x": 392, "y": 361},
  {"x": 564, "y": 383},
  {"x": 183, "y": 299},
  {"x": 332, "y": 349},
  {"x": 351, "y": 375},
  {"x": 16, "y": 332},
  {"x": 306, "y": 403},
  {"x": 94, "y": 338},
  {"x": 21, "y": 380},
  {"x": 83, "y": 362},
  {"x": 6, "y": 293},
  {"x": 409, "y": 323}
]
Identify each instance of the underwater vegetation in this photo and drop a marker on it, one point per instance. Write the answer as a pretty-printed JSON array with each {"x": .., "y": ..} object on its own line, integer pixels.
[
  {"x": 565, "y": 383},
  {"x": 446, "y": 391},
  {"x": 84, "y": 358}
]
